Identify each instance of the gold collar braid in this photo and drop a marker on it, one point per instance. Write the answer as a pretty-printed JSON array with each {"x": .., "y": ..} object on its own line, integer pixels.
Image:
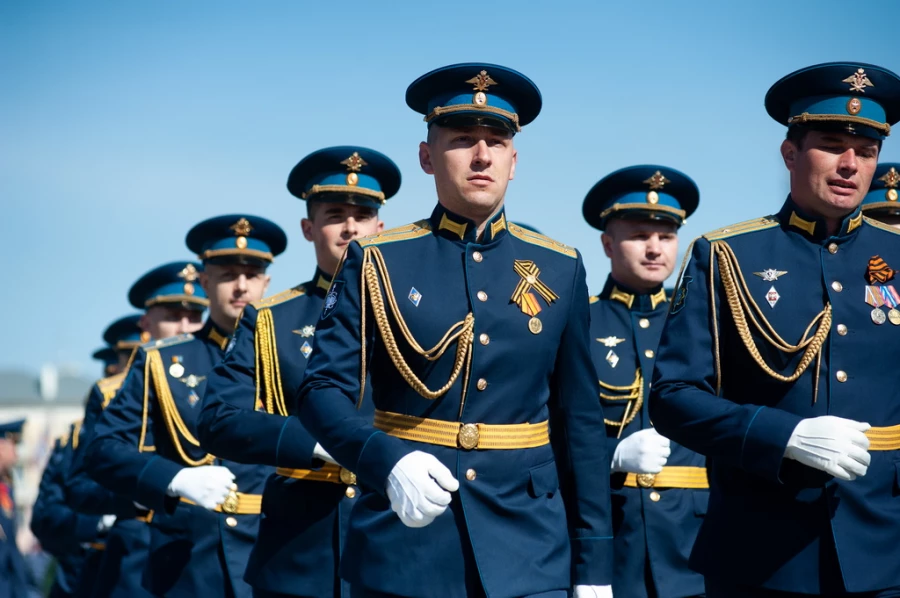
[{"x": 373, "y": 268}]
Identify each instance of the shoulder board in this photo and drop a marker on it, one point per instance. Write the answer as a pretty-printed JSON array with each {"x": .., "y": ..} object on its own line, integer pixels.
[
  {"x": 594, "y": 299},
  {"x": 541, "y": 240},
  {"x": 881, "y": 225},
  {"x": 63, "y": 440},
  {"x": 167, "y": 342},
  {"x": 401, "y": 233},
  {"x": 297, "y": 291},
  {"x": 748, "y": 226},
  {"x": 111, "y": 384}
]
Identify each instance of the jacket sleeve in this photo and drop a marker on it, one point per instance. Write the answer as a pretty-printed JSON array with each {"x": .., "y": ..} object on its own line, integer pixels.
[
  {"x": 229, "y": 424},
  {"x": 684, "y": 403}
]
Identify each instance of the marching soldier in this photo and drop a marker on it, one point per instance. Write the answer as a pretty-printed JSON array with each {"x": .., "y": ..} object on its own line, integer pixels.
[
  {"x": 778, "y": 361},
  {"x": 881, "y": 203},
  {"x": 205, "y": 510},
  {"x": 14, "y": 580},
  {"x": 243, "y": 416},
  {"x": 473, "y": 331},
  {"x": 659, "y": 488}
]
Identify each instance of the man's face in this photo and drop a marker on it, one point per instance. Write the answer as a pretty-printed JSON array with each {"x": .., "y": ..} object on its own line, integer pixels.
[
  {"x": 472, "y": 166},
  {"x": 167, "y": 320},
  {"x": 831, "y": 172},
  {"x": 642, "y": 253},
  {"x": 333, "y": 225},
  {"x": 8, "y": 455},
  {"x": 230, "y": 287}
]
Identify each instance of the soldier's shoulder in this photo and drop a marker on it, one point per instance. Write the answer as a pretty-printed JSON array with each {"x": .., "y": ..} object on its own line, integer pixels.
[
  {"x": 593, "y": 299},
  {"x": 111, "y": 383},
  {"x": 416, "y": 230},
  {"x": 534, "y": 238},
  {"x": 167, "y": 343},
  {"x": 280, "y": 298},
  {"x": 742, "y": 228},
  {"x": 881, "y": 226}
]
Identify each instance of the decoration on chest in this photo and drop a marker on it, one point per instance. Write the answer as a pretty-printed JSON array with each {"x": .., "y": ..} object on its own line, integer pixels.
[
  {"x": 771, "y": 275},
  {"x": 176, "y": 370},
  {"x": 415, "y": 297},
  {"x": 525, "y": 298},
  {"x": 878, "y": 294},
  {"x": 611, "y": 341},
  {"x": 306, "y": 332}
]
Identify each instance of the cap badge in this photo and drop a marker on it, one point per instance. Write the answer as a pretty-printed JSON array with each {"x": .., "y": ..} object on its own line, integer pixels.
[
  {"x": 188, "y": 274},
  {"x": 656, "y": 182},
  {"x": 891, "y": 180},
  {"x": 481, "y": 81},
  {"x": 854, "y": 106},
  {"x": 858, "y": 81},
  {"x": 354, "y": 164},
  {"x": 241, "y": 228}
]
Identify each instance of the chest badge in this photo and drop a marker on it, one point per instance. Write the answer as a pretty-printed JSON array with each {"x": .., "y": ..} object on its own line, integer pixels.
[
  {"x": 192, "y": 380},
  {"x": 610, "y": 341},
  {"x": 176, "y": 370},
  {"x": 612, "y": 359},
  {"x": 524, "y": 293},
  {"x": 772, "y": 296},
  {"x": 306, "y": 349},
  {"x": 879, "y": 294},
  {"x": 415, "y": 297},
  {"x": 306, "y": 332},
  {"x": 770, "y": 274}
]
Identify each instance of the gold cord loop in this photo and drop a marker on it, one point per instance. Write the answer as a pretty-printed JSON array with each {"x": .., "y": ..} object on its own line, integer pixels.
[
  {"x": 631, "y": 392},
  {"x": 268, "y": 373}
]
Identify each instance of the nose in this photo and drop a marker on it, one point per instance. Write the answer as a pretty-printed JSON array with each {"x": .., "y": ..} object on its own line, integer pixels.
[
  {"x": 653, "y": 244},
  {"x": 482, "y": 154},
  {"x": 184, "y": 324},
  {"x": 242, "y": 283},
  {"x": 350, "y": 227},
  {"x": 847, "y": 163}
]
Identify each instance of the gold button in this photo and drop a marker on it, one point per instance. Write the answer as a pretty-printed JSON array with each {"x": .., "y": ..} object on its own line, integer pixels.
[
  {"x": 655, "y": 496},
  {"x": 644, "y": 323},
  {"x": 832, "y": 248},
  {"x": 842, "y": 330},
  {"x": 482, "y": 296},
  {"x": 476, "y": 255},
  {"x": 481, "y": 384},
  {"x": 470, "y": 474},
  {"x": 485, "y": 339},
  {"x": 649, "y": 354},
  {"x": 350, "y": 492},
  {"x": 838, "y": 287},
  {"x": 231, "y": 522},
  {"x": 841, "y": 376}
]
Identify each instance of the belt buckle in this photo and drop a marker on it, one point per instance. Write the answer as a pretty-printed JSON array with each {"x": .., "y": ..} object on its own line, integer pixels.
[
  {"x": 468, "y": 436},
  {"x": 348, "y": 477},
  {"x": 230, "y": 504},
  {"x": 646, "y": 480}
]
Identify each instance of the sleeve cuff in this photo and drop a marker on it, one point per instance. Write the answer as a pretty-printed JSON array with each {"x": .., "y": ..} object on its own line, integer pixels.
[
  {"x": 376, "y": 460},
  {"x": 295, "y": 446},
  {"x": 153, "y": 484},
  {"x": 592, "y": 561},
  {"x": 766, "y": 440}
]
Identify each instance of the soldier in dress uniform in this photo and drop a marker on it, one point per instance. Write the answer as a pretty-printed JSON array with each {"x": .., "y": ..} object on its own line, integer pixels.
[
  {"x": 881, "y": 202},
  {"x": 110, "y": 360},
  {"x": 14, "y": 579},
  {"x": 472, "y": 330},
  {"x": 659, "y": 488},
  {"x": 778, "y": 361},
  {"x": 205, "y": 510},
  {"x": 173, "y": 303},
  {"x": 243, "y": 418}
]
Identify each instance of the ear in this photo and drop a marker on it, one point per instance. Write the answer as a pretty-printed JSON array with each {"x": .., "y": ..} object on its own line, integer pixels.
[
  {"x": 380, "y": 226},
  {"x": 144, "y": 322},
  {"x": 425, "y": 158},
  {"x": 607, "y": 241},
  {"x": 515, "y": 159},
  {"x": 306, "y": 225},
  {"x": 789, "y": 154},
  {"x": 267, "y": 279},
  {"x": 203, "y": 277}
]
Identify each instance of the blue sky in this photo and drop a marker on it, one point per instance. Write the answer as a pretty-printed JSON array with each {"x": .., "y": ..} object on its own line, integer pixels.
[{"x": 124, "y": 123}]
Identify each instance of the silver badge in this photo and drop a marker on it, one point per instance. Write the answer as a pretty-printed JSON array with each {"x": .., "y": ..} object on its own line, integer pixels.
[
  {"x": 415, "y": 296},
  {"x": 770, "y": 274},
  {"x": 612, "y": 359},
  {"x": 772, "y": 296}
]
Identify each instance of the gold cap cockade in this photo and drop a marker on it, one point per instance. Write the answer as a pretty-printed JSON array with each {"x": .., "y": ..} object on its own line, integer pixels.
[
  {"x": 354, "y": 164},
  {"x": 241, "y": 228},
  {"x": 656, "y": 182}
]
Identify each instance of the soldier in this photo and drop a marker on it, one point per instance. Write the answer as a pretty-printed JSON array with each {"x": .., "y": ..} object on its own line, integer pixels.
[
  {"x": 659, "y": 489},
  {"x": 14, "y": 580},
  {"x": 777, "y": 361},
  {"x": 473, "y": 331},
  {"x": 205, "y": 510},
  {"x": 243, "y": 419},
  {"x": 881, "y": 202}
]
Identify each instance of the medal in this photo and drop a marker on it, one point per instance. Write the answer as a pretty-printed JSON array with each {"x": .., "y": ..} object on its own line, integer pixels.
[
  {"x": 176, "y": 370},
  {"x": 878, "y": 316},
  {"x": 894, "y": 316},
  {"x": 535, "y": 326}
]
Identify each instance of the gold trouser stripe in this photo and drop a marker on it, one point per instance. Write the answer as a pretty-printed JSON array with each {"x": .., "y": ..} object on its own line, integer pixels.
[
  {"x": 670, "y": 477},
  {"x": 459, "y": 435},
  {"x": 334, "y": 474},
  {"x": 247, "y": 504},
  {"x": 97, "y": 546},
  {"x": 884, "y": 439}
]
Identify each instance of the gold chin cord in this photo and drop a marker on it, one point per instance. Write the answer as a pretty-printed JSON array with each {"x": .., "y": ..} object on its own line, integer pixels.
[
  {"x": 633, "y": 392},
  {"x": 268, "y": 372},
  {"x": 746, "y": 313},
  {"x": 374, "y": 271}
]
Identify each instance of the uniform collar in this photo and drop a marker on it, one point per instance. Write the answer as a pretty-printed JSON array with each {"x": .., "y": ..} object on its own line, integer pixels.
[
  {"x": 214, "y": 334},
  {"x": 633, "y": 300},
  {"x": 814, "y": 227},
  {"x": 448, "y": 224},
  {"x": 320, "y": 283}
]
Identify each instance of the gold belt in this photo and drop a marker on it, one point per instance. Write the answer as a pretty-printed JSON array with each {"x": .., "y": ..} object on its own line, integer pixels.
[
  {"x": 884, "y": 439},
  {"x": 670, "y": 477},
  {"x": 237, "y": 503},
  {"x": 329, "y": 473},
  {"x": 460, "y": 435}
]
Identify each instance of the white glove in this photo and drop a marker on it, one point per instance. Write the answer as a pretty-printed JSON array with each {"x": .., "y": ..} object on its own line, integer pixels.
[
  {"x": 645, "y": 451},
  {"x": 105, "y": 523},
  {"x": 831, "y": 444},
  {"x": 419, "y": 488},
  {"x": 206, "y": 486},
  {"x": 592, "y": 592},
  {"x": 322, "y": 454}
]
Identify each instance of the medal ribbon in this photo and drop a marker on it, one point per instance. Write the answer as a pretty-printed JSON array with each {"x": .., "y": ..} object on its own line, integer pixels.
[
  {"x": 878, "y": 270},
  {"x": 889, "y": 295},
  {"x": 873, "y": 296},
  {"x": 522, "y": 296}
]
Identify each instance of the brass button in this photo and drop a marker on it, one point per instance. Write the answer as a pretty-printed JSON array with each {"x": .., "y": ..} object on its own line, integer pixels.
[
  {"x": 476, "y": 255},
  {"x": 484, "y": 339},
  {"x": 350, "y": 492},
  {"x": 482, "y": 296},
  {"x": 655, "y": 496},
  {"x": 842, "y": 329},
  {"x": 838, "y": 287},
  {"x": 841, "y": 376},
  {"x": 644, "y": 323},
  {"x": 649, "y": 354},
  {"x": 481, "y": 384},
  {"x": 470, "y": 474},
  {"x": 231, "y": 522},
  {"x": 832, "y": 248}
]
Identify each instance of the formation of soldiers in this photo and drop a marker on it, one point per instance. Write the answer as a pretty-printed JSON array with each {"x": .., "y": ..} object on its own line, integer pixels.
[{"x": 444, "y": 411}]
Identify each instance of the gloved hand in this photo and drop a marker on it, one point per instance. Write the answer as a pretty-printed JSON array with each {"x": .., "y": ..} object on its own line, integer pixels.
[
  {"x": 593, "y": 592},
  {"x": 831, "y": 444},
  {"x": 645, "y": 451},
  {"x": 105, "y": 523},
  {"x": 322, "y": 454},
  {"x": 419, "y": 488},
  {"x": 207, "y": 485}
]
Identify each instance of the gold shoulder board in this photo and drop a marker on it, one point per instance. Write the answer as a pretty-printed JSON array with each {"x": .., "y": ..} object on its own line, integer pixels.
[
  {"x": 541, "y": 240},
  {"x": 748, "y": 226},
  {"x": 401, "y": 233}
]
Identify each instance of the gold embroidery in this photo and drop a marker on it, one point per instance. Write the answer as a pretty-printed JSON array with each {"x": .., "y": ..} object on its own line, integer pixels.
[
  {"x": 802, "y": 224},
  {"x": 453, "y": 227},
  {"x": 343, "y": 189},
  {"x": 619, "y": 295},
  {"x": 657, "y": 298},
  {"x": 854, "y": 223},
  {"x": 322, "y": 283},
  {"x": 221, "y": 341},
  {"x": 540, "y": 240},
  {"x": 498, "y": 226}
]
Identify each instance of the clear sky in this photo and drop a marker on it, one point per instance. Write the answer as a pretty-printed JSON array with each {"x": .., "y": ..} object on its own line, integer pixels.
[{"x": 124, "y": 123}]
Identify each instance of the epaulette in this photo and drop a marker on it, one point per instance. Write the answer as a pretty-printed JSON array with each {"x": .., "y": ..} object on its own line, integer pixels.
[
  {"x": 297, "y": 291},
  {"x": 167, "y": 342},
  {"x": 881, "y": 225},
  {"x": 401, "y": 233},
  {"x": 594, "y": 299},
  {"x": 541, "y": 240},
  {"x": 748, "y": 226},
  {"x": 111, "y": 384}
]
